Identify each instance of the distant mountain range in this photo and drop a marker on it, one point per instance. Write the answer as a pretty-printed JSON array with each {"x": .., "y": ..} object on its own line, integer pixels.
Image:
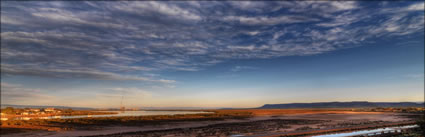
[
  {"x": 355, "y": 104},
  {"x": 33, "y": 106}
]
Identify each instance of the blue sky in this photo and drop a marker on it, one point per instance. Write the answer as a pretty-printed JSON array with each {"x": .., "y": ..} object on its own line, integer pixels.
[{"x": 210, "y": 54}]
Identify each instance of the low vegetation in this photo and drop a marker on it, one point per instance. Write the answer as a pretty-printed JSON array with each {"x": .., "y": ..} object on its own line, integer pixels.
[{"x": 224, "y": 129}]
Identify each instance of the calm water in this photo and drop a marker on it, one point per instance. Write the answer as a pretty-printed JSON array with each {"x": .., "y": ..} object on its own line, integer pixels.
[
  {"x": 368, "y": 132},
  {"x": 120, "y": 114}
]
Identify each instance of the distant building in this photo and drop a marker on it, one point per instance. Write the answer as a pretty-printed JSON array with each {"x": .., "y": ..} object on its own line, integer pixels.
[
  {"x": 26, "y": 118},
  {"x": 35, "y": 110},
  {"x": 49, "y": 109}
]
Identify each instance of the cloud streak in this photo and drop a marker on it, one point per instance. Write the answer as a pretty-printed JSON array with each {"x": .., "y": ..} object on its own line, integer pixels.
[
  {"x": 68, "y": 73},
  {"x": 17, "y": 94}
]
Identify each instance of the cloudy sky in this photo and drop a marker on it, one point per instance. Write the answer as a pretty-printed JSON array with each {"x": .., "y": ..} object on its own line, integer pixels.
[{"x": 210, "y": 54}]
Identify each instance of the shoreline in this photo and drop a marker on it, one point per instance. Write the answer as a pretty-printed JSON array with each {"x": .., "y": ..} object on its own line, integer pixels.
[{"x": 50, "y": 115}]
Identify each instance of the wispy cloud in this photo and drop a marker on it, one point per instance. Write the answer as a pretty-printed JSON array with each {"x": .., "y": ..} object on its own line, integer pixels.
[
  {"x": 263, "y": 20},
  {"x": 17, "y": 94},
  {"x": 127, "y": 39},
  {"x": 240, "y": 68},
  {"x": 147, "y": 8},
  {"x": 417, "y": 6},
  {"x": 73, "y": 73},
  {"x": 416, "y": 76},
  {"x": 128, "y": 92}
]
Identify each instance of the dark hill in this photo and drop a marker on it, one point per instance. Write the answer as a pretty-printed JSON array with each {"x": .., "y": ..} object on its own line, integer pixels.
[{"x": 357, "y": 104}]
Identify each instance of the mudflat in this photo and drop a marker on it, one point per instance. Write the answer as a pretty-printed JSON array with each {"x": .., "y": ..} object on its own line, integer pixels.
[{"x": 229, "y": 122}]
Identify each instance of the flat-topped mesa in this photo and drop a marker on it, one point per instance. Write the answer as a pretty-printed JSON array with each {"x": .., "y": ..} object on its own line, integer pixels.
[{"x": 354, "y": 104}]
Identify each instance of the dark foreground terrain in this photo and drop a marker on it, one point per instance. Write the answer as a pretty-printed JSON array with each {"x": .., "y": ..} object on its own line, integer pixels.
[
  {"x": 225, "y": 129},
  {"x": 254, "y": 122}
]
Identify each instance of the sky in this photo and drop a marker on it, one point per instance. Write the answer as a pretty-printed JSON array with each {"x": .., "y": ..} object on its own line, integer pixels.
[{"x": 209, "y": 53}]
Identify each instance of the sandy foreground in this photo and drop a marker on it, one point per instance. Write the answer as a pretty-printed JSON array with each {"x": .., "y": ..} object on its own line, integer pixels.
[{"x": 264, "y": 121}]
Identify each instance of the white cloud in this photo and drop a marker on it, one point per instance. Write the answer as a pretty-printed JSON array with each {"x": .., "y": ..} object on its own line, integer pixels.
[
  {"x": 121, "y": 67},
  {"x": 256, "y": 6},
  {"x": 250, "y": 47},
  {"x": 158, "y": 7},
  {"x": 253, "y": 33},
  {"x": 344, "y": 19},
  {"x": 277, "y": 35},
  {"x": 416, "y": 7},
  {"x": 323, "y": 7},
  {"x": 344, "y": 5},
  {"x": 264, "y": 20},
  {"x": 240, "y": 68},
  {"x": 8, "y": 20},
  {"x": 68, "y": 17}
]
